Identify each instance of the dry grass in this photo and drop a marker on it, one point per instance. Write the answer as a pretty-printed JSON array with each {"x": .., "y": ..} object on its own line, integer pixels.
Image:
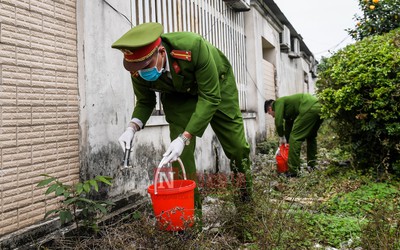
[
  {"x": 278, "y": 217},
  {"x": 225, "y": 226}
]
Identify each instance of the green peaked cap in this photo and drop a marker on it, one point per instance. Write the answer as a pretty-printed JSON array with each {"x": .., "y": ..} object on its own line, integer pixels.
[{"x": 139, "y": 36}]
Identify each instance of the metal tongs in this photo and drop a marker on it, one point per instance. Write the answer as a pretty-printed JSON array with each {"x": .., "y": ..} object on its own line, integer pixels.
[{"x": 126, "y": 157}]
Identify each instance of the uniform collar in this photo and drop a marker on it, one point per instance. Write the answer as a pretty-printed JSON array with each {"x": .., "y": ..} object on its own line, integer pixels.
[{"x": 167, "y": 68}]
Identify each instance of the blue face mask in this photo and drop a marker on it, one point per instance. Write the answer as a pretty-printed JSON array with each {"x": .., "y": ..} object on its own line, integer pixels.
[{"x": 151, "y": 74}]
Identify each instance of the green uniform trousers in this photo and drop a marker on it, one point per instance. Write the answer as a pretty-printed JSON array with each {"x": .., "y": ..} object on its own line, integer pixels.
[
  {"x": 304, "y": 127},
  {"x": 178, "y": 109}
]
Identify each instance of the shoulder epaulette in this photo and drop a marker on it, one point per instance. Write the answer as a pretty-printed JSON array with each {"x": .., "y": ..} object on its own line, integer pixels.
[{"x": 182, "y": 54}]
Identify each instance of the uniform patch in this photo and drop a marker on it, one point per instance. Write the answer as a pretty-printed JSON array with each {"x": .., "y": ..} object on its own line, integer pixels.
[
  {"x": 182, "y": 54},
  {"x": 176, "y": 67}
]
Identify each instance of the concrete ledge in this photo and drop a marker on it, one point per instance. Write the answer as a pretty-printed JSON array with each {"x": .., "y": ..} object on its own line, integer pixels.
[{"x": 249, "y": 115}]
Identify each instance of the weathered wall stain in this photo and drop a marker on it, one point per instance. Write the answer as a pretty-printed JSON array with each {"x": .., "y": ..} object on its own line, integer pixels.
[{"x": 108, "y": 161}]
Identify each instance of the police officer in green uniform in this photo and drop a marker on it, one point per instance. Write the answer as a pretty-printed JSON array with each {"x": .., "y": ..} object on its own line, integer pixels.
[
  {"x": 297, "y": 117},
  {"x": 197, "y": 88}
]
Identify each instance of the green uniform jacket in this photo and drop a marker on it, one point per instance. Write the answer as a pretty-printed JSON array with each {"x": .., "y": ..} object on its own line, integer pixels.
[
  {"x": 287, "y": 108},
  {"x": 207, "y": 74}
]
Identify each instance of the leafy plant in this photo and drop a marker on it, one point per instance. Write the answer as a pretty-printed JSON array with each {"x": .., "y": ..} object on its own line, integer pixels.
[
  {"x": 379, "y": 17},
  {"x": 76, "y": 203},
  {"x": 333, "y": 230},
  {"x": 362, "y": 201},
  {"x": 359, "y": 90}
]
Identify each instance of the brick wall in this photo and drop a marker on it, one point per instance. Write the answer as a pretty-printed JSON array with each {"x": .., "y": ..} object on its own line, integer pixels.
[{"x": 39, "y": 107}]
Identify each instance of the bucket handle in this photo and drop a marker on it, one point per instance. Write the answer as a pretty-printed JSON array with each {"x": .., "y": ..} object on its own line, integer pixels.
[{"x": 162, "y": 163}]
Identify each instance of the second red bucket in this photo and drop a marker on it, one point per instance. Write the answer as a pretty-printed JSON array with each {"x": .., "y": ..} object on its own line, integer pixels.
[
  {"x": 173, "y": 201},
  {"x": 282, "y": 158}
]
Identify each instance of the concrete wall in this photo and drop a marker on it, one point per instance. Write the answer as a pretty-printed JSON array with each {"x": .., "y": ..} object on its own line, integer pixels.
[
  {"x": 290, "y": 75},
  {"x": 262, "y": 33}
]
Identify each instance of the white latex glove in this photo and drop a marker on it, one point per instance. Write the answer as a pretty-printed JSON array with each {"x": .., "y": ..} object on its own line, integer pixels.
[
  {"x": 126, "y": 138},
  {"x": 174, "y": 150},
  {"x": 282, "y": 140}
]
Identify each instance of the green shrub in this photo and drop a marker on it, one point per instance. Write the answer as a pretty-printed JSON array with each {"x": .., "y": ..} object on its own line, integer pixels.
[{"x": 359, "y": 88}]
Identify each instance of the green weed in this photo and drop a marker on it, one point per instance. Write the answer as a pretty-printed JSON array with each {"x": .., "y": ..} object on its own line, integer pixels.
[{"x": 76, "y": 205}]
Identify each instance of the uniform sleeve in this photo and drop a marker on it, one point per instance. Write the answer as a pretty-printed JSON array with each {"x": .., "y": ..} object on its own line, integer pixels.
[
  {"x": 209, "y": 96},
  {"x": 145, "y": 101},
  {"x": 279, "y": 109}
]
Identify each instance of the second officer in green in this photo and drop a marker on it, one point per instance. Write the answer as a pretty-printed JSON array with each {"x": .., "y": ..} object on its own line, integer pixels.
[{"x": 297, "y": 119}]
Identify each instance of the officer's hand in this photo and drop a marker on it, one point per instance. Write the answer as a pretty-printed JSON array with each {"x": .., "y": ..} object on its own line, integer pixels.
[
  {"x": 126, "y": 138},
  {"x": 282, "y": 140},
  {"x": 174, "y": 150}
]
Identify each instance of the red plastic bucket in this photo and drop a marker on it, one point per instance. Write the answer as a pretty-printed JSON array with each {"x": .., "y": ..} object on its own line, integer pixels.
[
  {"x": 173, "y": 202},
  {"x": 282, "y": 158}
]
